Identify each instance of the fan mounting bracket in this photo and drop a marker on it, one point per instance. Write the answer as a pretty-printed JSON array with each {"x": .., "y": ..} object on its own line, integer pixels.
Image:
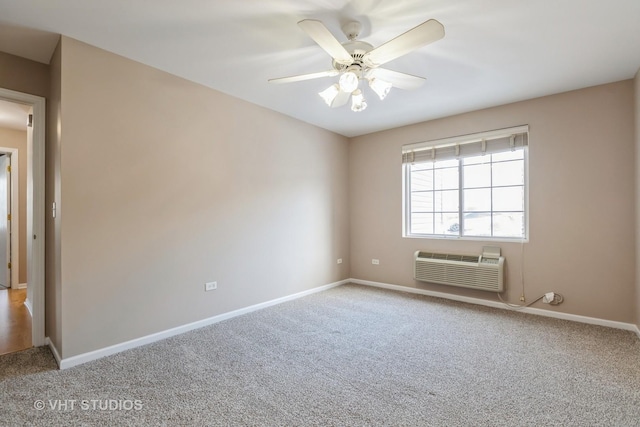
[{"x": 352, "y": 29}]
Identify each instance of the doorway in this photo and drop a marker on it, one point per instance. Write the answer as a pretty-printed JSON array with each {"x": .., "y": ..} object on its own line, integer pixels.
[
  {"x": 13, "y": 206},
  {"x": 15, "y": 319},
  {"x": 35, "y": 155},
  {"x": 5, "y": 222}
]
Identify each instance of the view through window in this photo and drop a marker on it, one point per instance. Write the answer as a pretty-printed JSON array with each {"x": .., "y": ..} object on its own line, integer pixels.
[{"x": 481, "y": 196}]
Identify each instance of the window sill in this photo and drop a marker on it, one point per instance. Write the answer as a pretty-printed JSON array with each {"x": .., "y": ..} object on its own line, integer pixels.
[{"x": 467, "y": 238}]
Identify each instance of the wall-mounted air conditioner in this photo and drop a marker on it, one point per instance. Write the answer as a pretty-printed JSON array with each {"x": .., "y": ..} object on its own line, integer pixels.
[{"x": 484, "y": 272}]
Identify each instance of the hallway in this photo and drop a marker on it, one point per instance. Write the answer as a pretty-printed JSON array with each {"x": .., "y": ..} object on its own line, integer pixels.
[{"x": 15, "y": 321}]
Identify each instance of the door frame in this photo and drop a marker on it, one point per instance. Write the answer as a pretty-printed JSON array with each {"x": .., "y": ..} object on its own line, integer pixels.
[{"x": 35, "y": 211}]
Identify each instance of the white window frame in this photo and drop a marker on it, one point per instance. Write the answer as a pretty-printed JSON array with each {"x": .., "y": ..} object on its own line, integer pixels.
[{"x": 452, "y": 145}]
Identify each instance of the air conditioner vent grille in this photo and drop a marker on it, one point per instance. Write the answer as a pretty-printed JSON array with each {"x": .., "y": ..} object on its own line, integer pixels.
[
  {"x": 466, "y": 271},
  {"x": 449, "y": 257}
]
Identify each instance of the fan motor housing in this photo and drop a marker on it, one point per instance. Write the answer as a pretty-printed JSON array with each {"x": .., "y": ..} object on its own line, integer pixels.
[{"x": 357, "y": 49}]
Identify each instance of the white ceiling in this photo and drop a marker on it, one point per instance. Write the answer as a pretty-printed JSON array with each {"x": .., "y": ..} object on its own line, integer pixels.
[{"x": 494, "y": 51}]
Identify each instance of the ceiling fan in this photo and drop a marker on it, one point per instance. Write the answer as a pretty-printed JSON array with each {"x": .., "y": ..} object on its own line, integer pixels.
[{"x": 355, "y": 60}]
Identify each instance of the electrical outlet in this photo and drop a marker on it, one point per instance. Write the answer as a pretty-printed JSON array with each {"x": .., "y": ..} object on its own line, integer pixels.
[
  {"x": 375, "y": 261},
  {"x": 552, "y": 298},
  {"x": 557, "y": 299},
  {"x": 210, "y": 286},
  {"x": 339, "y": 260}
]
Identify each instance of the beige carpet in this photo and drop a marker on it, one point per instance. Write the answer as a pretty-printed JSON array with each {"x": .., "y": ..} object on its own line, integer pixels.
[{"x": 350, "y": 356}]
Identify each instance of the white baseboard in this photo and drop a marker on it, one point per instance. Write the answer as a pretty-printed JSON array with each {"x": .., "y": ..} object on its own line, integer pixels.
[
  {"x": 54, "y": 350},
  {"x": 21, "y": 286},
  {"x": 27, "y": 303},
  {"x": 148, "y": 339},
  {"x": 498, "y": 304}
]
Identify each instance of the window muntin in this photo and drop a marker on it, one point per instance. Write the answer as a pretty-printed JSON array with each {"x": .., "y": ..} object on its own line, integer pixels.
[{"x": 479, "y": 196}]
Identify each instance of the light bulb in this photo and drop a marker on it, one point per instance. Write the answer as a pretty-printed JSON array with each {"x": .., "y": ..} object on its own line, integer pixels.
[
  {"x": 348, "y": 81},
  {"x": 330, "y": 93},
  {"x": 380, "y": 87},
  {"x": 357, "y": 101}
]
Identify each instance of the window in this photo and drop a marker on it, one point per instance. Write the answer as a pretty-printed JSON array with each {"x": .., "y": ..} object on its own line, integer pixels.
[{"x": 467, "y": 187}]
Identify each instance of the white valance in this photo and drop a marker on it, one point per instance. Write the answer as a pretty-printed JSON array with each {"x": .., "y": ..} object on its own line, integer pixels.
[{"x": 495, "y": 141}]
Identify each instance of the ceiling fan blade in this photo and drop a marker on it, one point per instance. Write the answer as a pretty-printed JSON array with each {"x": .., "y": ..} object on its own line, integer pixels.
[
  {"x": 425, "y": 33},
  {"x": 397, "y": 79},
  {"x": 302, "y": 77},
  {"x": 321, "y": 35}
]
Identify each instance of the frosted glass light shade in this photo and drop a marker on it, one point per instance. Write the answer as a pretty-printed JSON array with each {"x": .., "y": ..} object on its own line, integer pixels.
[
  {"x": 330, "y": 93},
  {"x": 380, "y": 87},
  {"x": 348, "y": 81},
  {"x": 357, "y": 101}
]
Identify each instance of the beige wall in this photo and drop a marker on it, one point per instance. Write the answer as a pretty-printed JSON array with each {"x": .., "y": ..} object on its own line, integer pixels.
[
  {"x": 581, "y": 201},
  {"x": 13, "y": 138},
  {"x": 24, "y": 75},
  {"x": 166, "y": 185}
]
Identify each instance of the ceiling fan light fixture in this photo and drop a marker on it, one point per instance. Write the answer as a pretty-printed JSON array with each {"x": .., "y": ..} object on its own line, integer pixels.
[
  {"x": 354, "y": 60},
  {"x": 357, "y": 101},
  {"x": 330, "y": 93},
  {"x": 349, "y": 81},
  {"x": 380, "y": 87}
]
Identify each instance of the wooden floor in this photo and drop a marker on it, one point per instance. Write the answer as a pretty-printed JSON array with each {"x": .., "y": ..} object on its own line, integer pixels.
[{"x": 15, "y": 321}]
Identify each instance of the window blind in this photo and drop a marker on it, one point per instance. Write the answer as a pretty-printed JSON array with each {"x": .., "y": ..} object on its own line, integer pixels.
[{"x": 467, "y": 145}]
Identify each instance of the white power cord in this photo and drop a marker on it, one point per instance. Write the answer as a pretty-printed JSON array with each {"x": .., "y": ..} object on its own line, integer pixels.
[
  {"x": 552, "y": 298},
  {"x": 548, "y": 298},
  {"x": 517, "y": 306},
  {"x": 522, "y": 298}
]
